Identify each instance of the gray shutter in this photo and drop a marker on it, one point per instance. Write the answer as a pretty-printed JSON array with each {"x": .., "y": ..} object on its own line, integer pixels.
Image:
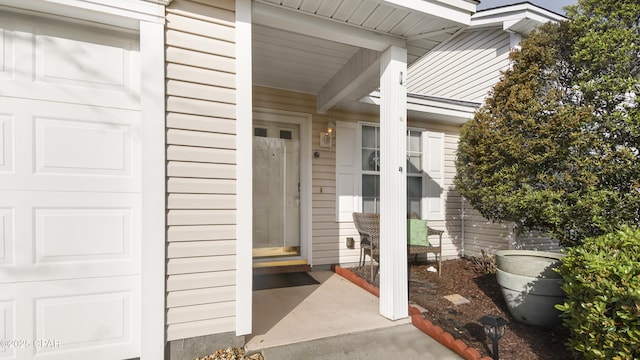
[
  {"x": 347, "y": 171},
  {"x": 433, "y": 168}
]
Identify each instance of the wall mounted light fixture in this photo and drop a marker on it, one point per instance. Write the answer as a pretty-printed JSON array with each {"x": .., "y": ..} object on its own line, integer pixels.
[{"x": 326, "y": 137}]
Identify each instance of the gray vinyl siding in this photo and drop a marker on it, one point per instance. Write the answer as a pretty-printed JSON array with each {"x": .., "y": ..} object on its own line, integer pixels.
[
  {"x": 463, "y": 68},
  {"x": 201, "y": 168},
  {"x": 538, "y": 241},
  {"x": 482, "y": 234}
]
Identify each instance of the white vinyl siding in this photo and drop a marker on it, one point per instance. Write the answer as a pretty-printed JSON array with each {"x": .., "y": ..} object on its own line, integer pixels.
[
  {"x": 201, "y": 169},
  {"x": 467, "y": 66}
]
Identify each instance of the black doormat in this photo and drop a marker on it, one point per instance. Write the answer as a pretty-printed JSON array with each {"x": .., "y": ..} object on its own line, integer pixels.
[{"x": 273, "y": 281}]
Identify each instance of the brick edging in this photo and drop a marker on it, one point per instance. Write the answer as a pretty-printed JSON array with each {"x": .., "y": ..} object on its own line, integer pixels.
[{"x": 417, "y": 319}]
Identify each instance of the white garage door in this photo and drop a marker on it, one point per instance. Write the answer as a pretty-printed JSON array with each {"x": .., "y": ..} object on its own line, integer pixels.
[{"x": 70, "y": 191}]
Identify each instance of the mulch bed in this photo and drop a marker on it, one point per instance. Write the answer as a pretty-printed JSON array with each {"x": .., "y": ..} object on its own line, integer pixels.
[{"x": 521, "y": 342}]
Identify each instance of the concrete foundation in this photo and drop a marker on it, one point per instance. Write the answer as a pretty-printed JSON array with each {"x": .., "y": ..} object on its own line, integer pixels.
[{"x": 189, "y": 349}]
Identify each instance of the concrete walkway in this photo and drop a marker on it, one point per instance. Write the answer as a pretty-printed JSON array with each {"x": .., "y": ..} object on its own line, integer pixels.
[{"x": 334, "y": 320}]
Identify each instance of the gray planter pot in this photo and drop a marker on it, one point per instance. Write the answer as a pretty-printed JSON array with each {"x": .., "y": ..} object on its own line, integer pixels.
[{"x": 530, "y": 286}]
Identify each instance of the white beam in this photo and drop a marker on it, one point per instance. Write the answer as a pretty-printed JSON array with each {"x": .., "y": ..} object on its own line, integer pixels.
[
  {"x": 452, "y": 11},
  {"x": 393, "y": 184},
  {"x": 345, "y": 83},
  {"x": 310, "y": 25}
]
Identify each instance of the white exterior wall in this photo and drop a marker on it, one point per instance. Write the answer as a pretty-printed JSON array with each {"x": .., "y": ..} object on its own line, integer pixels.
[
  {"x": 464, "y": 68},
  {"x": 201, "y": 169}
]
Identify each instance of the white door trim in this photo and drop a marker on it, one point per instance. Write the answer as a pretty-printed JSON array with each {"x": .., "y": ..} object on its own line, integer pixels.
[{"x": 304, "y": 121}]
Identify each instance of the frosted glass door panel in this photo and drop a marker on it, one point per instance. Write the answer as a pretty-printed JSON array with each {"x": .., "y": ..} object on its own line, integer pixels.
[{"x": 276, "y": 193}]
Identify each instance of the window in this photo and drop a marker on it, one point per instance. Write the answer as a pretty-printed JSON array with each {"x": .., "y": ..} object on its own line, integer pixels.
[
  {"x": 414, "y": 173},
  {"x": 358, "y": 171},
  {"x": 371, "y": 170}
]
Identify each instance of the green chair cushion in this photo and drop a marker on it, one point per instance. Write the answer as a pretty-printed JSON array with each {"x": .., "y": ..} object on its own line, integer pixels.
[{"x": 417, "y": 233}]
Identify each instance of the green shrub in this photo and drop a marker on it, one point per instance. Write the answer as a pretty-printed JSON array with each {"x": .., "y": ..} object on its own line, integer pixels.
[{"x": 602, "y": 308}]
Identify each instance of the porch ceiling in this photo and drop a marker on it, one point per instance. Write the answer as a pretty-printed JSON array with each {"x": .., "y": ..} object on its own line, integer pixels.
[{"x": 300, "y": 45}]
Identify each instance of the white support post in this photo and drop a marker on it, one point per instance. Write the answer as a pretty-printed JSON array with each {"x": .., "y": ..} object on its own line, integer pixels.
[
  {"x": 153, "y": 190},
  {"x": 244, "y": 120},
  {"x": 393, "y": 184}
]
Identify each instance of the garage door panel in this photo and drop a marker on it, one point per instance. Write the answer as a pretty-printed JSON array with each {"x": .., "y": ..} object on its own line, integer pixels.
[
  {"x": 7, "y": 50},
  {"x": 79, "y": 64},
  {"x": 7, "y": 320},
  {"x": 74, "y": 318},
  {"x": 78, "y": 235},
  {"x": 70, "y": 189},
  {"x": 6, "y": 236},
  {"x": 67, "y": 57},
  {"x": 6, "y": 142},
  {"x": 69, "y": 147},
  {"x": 84, "y": 320}
]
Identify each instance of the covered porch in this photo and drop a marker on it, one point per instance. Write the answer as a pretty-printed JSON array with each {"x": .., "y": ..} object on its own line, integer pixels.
[
  {"x": 350, "y": 60},
  {"x": 335, "y": 319}
]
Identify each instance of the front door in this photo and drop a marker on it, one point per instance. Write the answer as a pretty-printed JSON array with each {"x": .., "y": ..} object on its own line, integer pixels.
[{"x": 276, "y": 190}]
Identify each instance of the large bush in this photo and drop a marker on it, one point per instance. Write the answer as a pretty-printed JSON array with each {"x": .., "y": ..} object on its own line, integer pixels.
[
  {"x": 602, "y": 308},
  {"x": 556, "y": 146}
]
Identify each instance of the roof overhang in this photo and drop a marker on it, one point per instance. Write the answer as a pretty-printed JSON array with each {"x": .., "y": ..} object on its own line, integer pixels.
[
  {"x": 454, "y": 10},
  {"x": 519, "y": 18},
  {"x": 122, "y": 13},
  {"x": 421, "y": 107},
  {"x": 328, "y": 48}
]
